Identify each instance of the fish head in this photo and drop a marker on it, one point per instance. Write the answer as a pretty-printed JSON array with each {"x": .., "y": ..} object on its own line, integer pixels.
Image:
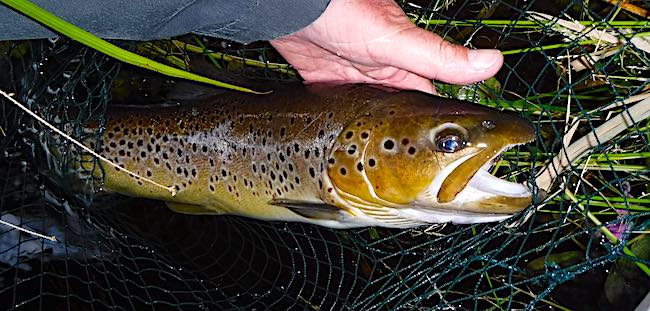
[{"x": 421, "y": 151}]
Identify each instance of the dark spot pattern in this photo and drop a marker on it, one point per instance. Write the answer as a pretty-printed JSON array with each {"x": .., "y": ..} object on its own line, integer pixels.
[{"x": 224, "y": 152}]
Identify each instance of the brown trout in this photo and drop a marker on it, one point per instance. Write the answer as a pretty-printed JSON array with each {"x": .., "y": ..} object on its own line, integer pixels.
[{"x": 339, "y": 156}]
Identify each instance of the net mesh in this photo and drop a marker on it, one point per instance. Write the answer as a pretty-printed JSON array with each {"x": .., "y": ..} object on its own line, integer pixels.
[{"x": 125, "y": 253}]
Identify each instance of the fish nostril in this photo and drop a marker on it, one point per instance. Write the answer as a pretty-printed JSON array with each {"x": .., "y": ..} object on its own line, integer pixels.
[{"x": 488, "y": 124}]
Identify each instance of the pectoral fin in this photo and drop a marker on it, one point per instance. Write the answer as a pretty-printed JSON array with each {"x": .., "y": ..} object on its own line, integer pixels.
[
  {"x": 192, "y": 209},
  {"x": 312, "y": 210}
]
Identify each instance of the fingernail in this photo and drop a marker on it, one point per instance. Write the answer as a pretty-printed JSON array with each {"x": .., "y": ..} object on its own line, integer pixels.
[{"x": 483, "y": 59}]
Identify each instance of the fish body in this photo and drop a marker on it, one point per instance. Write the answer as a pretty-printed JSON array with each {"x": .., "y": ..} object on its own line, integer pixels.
[{"x": 337, "y": 156}]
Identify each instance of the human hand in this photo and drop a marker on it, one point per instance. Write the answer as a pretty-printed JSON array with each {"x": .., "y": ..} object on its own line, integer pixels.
[{"x": 373, "y": 41}]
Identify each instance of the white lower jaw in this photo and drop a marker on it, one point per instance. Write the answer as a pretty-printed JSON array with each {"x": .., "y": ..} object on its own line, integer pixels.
[{"x": 488, "y": 185}]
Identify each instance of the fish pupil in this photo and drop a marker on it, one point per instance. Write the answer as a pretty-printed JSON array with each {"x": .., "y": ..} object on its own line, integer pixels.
[{"x": 450, "y": 143}]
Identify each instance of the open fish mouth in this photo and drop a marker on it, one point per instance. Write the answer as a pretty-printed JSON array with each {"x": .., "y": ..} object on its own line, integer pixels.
[
  {"x": 480, "y": 197},
  {"x": 499, "y": 195},
  {"x": 486, "y": 193}
]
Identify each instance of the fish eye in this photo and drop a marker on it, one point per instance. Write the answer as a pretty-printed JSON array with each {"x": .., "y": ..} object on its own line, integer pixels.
[
  {"x": 449, "y": 137},
  {"x": 449, "y": 143}
]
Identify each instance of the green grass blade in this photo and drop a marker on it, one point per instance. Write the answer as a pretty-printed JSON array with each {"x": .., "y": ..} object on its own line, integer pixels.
[{"x": 52, "y": 21}]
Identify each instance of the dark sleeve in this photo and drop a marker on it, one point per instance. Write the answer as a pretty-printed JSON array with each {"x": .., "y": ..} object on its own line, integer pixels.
[{"x": 239, "y": 20}]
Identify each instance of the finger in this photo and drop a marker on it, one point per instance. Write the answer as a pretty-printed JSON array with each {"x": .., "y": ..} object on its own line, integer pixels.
[
  {"x": 428, "y": 55},
  {"x": 412, "y": 82}
]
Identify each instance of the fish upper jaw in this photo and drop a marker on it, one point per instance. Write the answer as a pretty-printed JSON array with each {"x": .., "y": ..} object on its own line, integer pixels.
[{"x": 484, "y": 198}]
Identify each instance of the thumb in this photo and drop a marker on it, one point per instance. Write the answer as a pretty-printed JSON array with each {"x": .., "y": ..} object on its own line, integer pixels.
[{"x": 428, "y": 55}]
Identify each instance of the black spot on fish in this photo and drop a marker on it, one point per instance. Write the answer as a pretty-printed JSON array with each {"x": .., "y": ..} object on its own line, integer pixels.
[
  {"x": 143, "y": 154},
  {"x": 204, "y": 148},
  {"x": 371, "y": 162},
  {"x": 312, "y": 173},
  {"x": 349, "y": 134},
  {"x": 411, "y": 150},
  {"x": 179, "y": 170},
  {"x": 296, "y": 147},
  {"x": 352, "y": 149},
  {"x": 297, "y": 180},
  {"x": 343, "y": 171},
  {"x": 331, "y": 161},
  {"x": 321, "y": 134},
  {"x": 156, "y": 160},
  {"x": 307, "y": 154},
  {"x": 359, "y": 167},
  {"x": 405, "y": 141},
  {"x": 121, "y": 152},
  {"x": 223, "y": 173},
  {"x": 254, "y": 168},
  {"x": 389, "y": 144},
  {"x": 290, "y": 167}
]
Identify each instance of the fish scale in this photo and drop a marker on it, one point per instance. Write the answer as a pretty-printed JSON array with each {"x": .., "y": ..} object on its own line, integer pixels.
[{"x": 317, "y": 155}]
